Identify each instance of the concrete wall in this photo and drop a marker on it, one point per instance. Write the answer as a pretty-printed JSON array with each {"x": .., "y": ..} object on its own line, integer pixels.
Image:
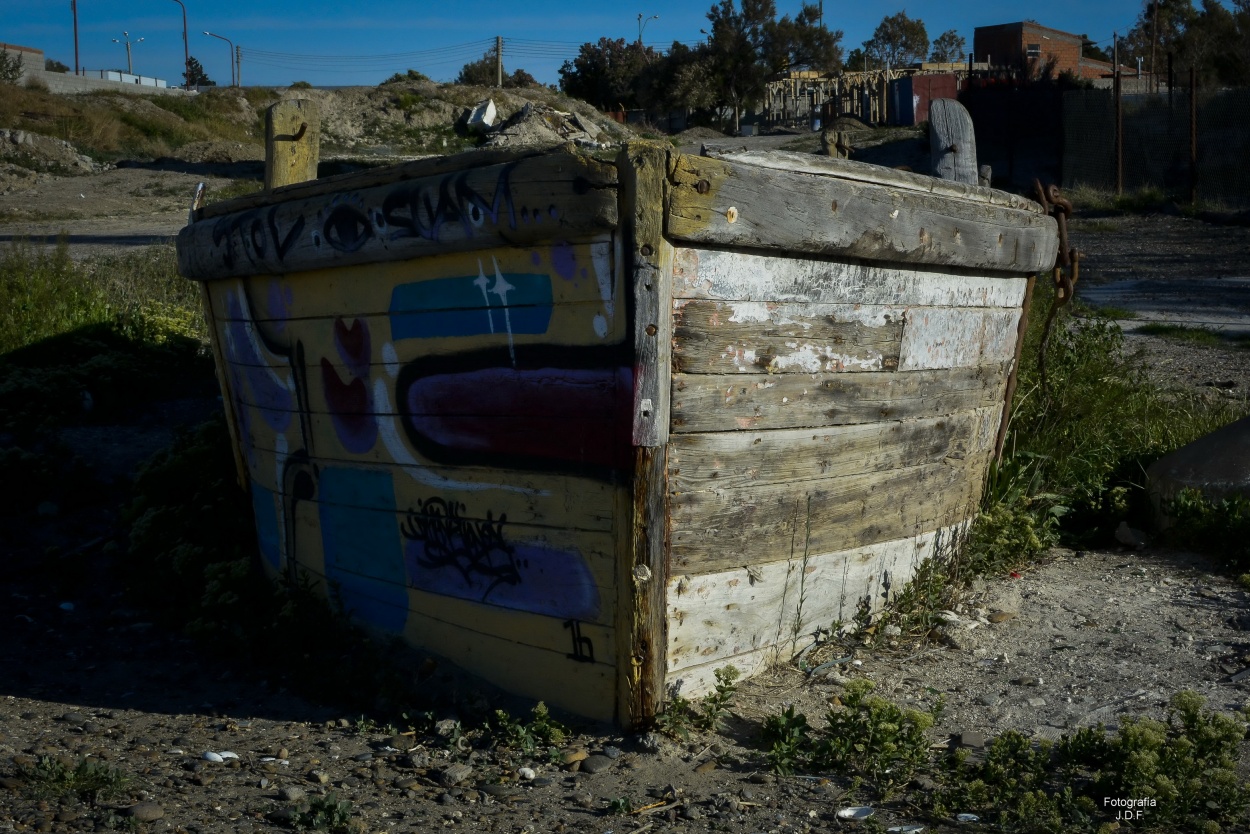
[{"x": 63, "y": 82}]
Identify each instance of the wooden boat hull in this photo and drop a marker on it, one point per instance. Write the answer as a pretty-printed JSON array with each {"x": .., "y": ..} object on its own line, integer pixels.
[{"x": 593, "y": 429}]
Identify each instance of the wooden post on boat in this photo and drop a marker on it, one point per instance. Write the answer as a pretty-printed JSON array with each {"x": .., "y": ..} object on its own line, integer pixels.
[{"x": 292, "y": 142}]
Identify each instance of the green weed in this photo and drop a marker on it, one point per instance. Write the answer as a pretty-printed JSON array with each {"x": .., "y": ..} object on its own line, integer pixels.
[
  {"x": 1220, "y": 528},
  {"x": 527, "y": 736},
  {"x": 325, "y": 813},
  {"x": 680, "y": 714},
  {"x": 1195, "y": 335},
  {"x": 620, "y": 806},
  {"x": 89, "y": 780}
]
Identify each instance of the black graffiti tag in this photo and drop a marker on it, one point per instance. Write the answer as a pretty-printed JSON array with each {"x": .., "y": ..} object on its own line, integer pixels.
[
  {"x": 423, "y": 211},
  {"x": 474, "y": 547}
]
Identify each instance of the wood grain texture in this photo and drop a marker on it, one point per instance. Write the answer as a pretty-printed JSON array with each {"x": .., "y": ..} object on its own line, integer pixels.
[
  {"x": 715, "y": 530},
  {"x": 643, "y": 573},
  {"x": 292, "y": 142},
  {"x": 768, "y": 614},
  {"x": 746, "y": 276},
  {"x": 953, "y": 337},
  {"x": 892, "y": 178},
  {"x": 745, "y": 459},
  {"x": 952, "y": 142},
  {"x": 553, "y": 197},
  {"x": 712, "y": 337},
  {"x": 705, "y": 403},
  {"x": 733, "y": 203}
]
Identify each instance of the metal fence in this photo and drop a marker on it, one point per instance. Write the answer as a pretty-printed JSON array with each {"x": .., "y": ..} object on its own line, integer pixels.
[{"x": 1191, "y": 145}]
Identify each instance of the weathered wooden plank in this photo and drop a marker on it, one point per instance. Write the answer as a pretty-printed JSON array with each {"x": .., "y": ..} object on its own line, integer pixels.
[
  {"x": 952, "y": 142},
  {"x": 732, "y": 460},
  {"x": 558, "y": 196},
  {"x": 717, "y": 530},
  {"x": 735, "y": 204},
  {"x": 712, "y": 337},
  {"x": 292, "y": 142},
  {"x": 741, "y": 276},
  {"x": 893, "y": 178},
  {"x": 643, "y": 566},
  {"x": 715, "y": 403},
  {"x": 951, "y": 337},
  {"x": 355, "y": 180},
  {"x": 726, "y": 617}
]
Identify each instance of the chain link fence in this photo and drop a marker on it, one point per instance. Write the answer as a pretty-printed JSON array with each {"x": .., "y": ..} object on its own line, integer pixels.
[{"x": 1190, "y": 150}]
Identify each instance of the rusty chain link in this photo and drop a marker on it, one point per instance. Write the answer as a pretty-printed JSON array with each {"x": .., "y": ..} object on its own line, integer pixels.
[{"x": 1067, "y": 266}]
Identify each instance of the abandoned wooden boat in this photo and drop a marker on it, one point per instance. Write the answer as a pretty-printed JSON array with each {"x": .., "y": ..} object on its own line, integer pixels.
[{"x": 594, "y": 428}]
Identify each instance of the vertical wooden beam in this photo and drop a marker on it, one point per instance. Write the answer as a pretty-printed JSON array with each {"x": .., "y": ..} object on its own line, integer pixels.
[
  {"x": 647, "y": 267},
  {"x": 292, "y": 142}
]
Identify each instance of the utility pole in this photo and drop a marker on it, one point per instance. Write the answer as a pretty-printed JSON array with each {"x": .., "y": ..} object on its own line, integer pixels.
[
  {"x": 498, "y": 61},
  {"x": 238, "y": 65},
  {"x": 1154, "y": 41},
  {"x": 1119, "y": 115},
  {"x": 642, "y": 25},
  {"x": 73, "y": 6}
]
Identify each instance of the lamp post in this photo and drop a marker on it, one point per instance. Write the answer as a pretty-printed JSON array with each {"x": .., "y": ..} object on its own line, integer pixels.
[
  {"x": 130, "y": 67},
  {"x": 642, "y": 24},
  {"x": 186, "y": 48},
  {"x": 227, "y": 40}
]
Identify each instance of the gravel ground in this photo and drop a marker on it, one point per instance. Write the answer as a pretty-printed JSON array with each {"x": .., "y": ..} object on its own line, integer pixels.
[{"x": 1084, "y": 637}]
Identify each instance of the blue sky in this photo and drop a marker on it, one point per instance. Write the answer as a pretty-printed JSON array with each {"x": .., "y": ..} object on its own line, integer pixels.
[{"x": 333, "y": 43}]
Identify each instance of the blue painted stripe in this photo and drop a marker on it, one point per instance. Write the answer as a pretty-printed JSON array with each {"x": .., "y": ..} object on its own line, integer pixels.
[
  {"x": 363, "y": 557},
  {"x": 459, "y": 307}
]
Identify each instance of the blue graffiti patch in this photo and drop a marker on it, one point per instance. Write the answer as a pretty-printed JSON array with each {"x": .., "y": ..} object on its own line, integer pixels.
[
  {"x": 364, "y": 560},
  {"x": 471, "y": 305},
  {"x": 268, "y": 523}
]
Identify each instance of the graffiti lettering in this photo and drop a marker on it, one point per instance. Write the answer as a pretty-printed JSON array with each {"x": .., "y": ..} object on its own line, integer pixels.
[
  {"x": 583, "y": 649},
  {"x": 474, "y": 547},
  {"x": 423, "y": 211}
]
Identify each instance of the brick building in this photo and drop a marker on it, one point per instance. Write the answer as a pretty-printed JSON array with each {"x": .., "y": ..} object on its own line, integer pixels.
[{"x": 1026, "y": 47}]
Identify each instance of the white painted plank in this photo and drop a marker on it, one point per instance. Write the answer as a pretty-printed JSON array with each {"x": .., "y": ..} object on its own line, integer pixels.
[
  {"x": 731, "y": 617},
  {"x": 737, "y": 276},
  {"x": 936, "y": 337}
]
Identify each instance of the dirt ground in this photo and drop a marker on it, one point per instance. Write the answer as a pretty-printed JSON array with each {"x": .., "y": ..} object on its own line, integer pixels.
[{"x": 1085, "y": 637}]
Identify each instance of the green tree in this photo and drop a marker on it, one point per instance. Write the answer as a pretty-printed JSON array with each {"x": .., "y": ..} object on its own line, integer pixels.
[
  {"x": 195, "y": 76},
  {"x": 53, "y": 65},
  {"x": 898, "y": 40},
  {"x": 483, "y": 73},
  {"x": 748, "y": 44},
  {"x": 10, "y": 66},
  {"x": 609, "y": 73},
  {"x": 947, "y": 47}
]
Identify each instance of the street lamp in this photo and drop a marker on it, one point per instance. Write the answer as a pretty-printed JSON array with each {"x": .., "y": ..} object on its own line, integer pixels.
[
  {"x": 227, "y": 40},
  {"x": 642, "y": 24},
  {"x": 186, "y": 48},
  {"x": 130, "y": 67}
]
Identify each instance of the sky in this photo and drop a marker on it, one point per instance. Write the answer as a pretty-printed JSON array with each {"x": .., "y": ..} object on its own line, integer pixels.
[{"x": 332, "y": 43}]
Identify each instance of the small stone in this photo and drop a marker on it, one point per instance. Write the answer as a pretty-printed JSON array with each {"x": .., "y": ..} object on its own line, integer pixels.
[
  {"x": 362, "y": 757},
  {"x": 763, "y": 778},
  {"x": 1037, "y": 702},
  {"x": 691, "y": 812},
  {"x": 1027, "y": 680},
  {"x": 526, "y": 774},
  {"x": 988, "y": 700},
  {"x": 596, "y": 764},
  {"x": 399, "y": 742},
  {"x": 892, "y": 631},
  {"x": 210, "y": 756},
  {"x": 319, "y": 776},
  {"x": 145, "y": 812},
  {"x": 291, "y": 793},
  {"x": 543, "y": 781},
  {"x": 447, "y": 799},
  {"x": 571, "y": 756},
  {"x": 454, "y": 775},
  {"x": 972, "y": 738},
  {"x": 706, "y": 767},
  {"x": 997, "y": 617},
  {"x": 498, "y": 791},
  {"x": 612, "y": 752},
  {"x": 925, "y": 783},
  {"x": 76, "y": 719},
  {"x": 406, "y": 783},
  {"x": 263, "y": 783}
]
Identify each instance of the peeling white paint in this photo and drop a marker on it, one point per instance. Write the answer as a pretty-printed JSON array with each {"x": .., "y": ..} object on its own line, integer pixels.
[{"x": 816, "y": 358}]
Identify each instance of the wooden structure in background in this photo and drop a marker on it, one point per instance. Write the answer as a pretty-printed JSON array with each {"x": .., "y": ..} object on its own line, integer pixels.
[{"x": 593, "y": 428}]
